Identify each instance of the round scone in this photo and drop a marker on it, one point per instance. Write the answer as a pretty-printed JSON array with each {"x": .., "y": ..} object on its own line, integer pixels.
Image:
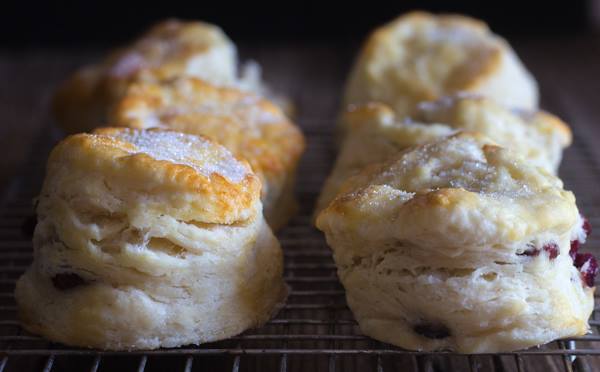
[
  {"x": 458, "y": 245},
  {"x": 147, "y": 239},
  {"x": 374, "y": 133},
  {"x": 249, "y": 126},
  {"x": 420, "y": 57},
  {"x": 170, "y": 48}
]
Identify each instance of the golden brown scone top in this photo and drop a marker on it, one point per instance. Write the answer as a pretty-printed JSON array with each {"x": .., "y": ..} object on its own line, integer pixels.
[
  {"x": 472, "y": 109},
  {"x": 171, "y": 48},
  {"x": 537, "y": 136},
  {"x": 420, "y": 56},
  {"x": 250, "y": 126},
  {"x": 378, "y": 119},
  {"x": 461, "y": 189},
  {"x": 167, "y": 49},
  {"x": 187, "y": 177}
]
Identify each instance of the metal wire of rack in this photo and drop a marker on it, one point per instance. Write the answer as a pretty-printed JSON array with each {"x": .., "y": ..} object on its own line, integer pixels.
[{"x": 315, "y": 330}]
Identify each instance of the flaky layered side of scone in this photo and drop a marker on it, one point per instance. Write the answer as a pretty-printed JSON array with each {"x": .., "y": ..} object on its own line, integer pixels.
[
  {"x": 250, "y": 126},
  {"x": 148, "y": 239},
  {"x": 169, "y": 49},
  {"x": 458, "y": 245},
  {"x": 420, "y": 57},
  {"x": 375, "y": 132}
]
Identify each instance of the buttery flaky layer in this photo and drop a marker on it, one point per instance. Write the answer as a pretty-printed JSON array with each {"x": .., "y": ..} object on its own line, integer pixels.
[
  {"x": 147, "y": 239},
  {"x": 158, "y": 288},
  {"x": 457, "y": 244},
  {"x": 420, "y": 57},
  {"x": 484, "y": 308},
  {"x": 169, "y": 49},
  {"x": 250, "y": 126},
  {"x": 374, "y": 133}
]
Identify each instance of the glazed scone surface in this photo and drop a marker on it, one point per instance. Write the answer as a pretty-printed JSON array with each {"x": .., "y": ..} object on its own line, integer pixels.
[
  {"x": 250, "y": 126},
  {"x": 173, "y": 48},
  {"x": 420, "y": 57},
  {"x": 148, "y": 239},
  {"x": 374, "y": 133},
  {"x": 458, "y": 245},
  {"x": 537, "y": 136},
  {"x": 170, "y": 49}
]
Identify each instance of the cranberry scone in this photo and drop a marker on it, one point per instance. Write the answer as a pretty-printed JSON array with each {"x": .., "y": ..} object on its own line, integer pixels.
[
  {"x": 170, "y": 48},
  {"x": 147, "y": 239},
  {"x": 251, "y": 127},
  {"x": 374, "y": 133},
  {"x": 421, "y": 57},
  {"x": 458, "y": 245}
]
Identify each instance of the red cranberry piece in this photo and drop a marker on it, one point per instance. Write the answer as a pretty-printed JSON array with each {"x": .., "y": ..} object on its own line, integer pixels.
[
  {"x": 552, "y": 249},
  {"x": 588, "y": 267},
  {"x": 580, "y": 259},
  {"x": 587, "y": 226},
  {"x": 66, "y": 281},
  {"x": 574, "y": 248}
]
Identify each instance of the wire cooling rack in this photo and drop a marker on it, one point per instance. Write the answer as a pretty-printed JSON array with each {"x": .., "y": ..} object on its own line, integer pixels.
[{"x": 315, "y": 331}]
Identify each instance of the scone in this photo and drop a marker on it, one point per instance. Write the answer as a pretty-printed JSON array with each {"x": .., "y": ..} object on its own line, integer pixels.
[
  {"x": 249, "y": 126},
  {"x": 148, "y": 239},
  {"x": 374, "y": 133},
  {"x": 421, "y": 57},
  {"x": 170, "y": 48},
  {"x": 459, "y": 245},
  {"x": 537, "y": 136}
]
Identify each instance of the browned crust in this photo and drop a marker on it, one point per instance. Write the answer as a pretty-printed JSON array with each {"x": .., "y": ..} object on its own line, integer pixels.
[
  {"x": 213, "y": 199},
  {"x": 82, "y": 101},
  {"x": 382, "y": 35},
  {"x": 271, "y": 147}
]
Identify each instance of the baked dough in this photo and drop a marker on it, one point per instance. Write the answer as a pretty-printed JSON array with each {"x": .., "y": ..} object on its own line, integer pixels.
[
  {"x": 374, "y": 133},
  {"x": 422, "y": 57},
  {"x": 148, "y": 239},
  {"x": 170, "y": 48},
  {"x": 537, "y": 136},
  {"x": 249, "y": 126},
  {"x": 458, "y": 245}
]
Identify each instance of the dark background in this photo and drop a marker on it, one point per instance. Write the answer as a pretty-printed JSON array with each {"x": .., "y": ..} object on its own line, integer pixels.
[{"x": 80, "y": 23}]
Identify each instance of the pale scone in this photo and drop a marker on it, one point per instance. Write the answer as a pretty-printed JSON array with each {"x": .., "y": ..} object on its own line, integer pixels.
[
  {"x": 147, "y": 239},
  {"x": 374, "y": 133},
  {"x": 249, "y": 126},
  {"x": 459, "y": 245},
  {"x": 537, "y": 136},
  {"x": 420, "y": 57},
  {"x": 169, "y": 49}
]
